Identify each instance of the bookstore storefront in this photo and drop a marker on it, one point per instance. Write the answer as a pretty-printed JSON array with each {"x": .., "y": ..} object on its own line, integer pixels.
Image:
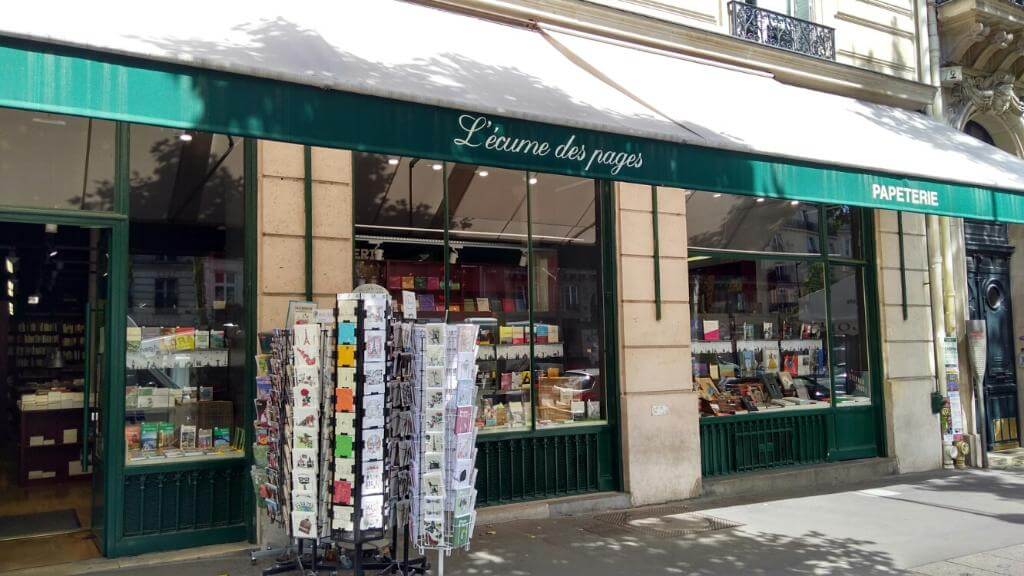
[
  {"x": 783, "y": 332},
  {"x": 483, "y": 206}
]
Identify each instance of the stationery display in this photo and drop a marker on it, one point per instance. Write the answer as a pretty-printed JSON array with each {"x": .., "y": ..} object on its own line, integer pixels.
[{"x": 442, "y": 514}]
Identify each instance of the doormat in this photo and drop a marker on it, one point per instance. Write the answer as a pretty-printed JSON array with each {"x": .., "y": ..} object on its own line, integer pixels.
[
  {"x": 664, "y": 521},
  {"x": 39, "y": 524}
]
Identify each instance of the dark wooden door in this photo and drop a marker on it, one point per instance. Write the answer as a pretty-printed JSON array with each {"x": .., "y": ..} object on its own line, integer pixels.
[{"x": 989, "y": 294}]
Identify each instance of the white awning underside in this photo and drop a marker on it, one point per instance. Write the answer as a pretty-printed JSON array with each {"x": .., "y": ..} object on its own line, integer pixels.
[{"x": 408, "y": 52}]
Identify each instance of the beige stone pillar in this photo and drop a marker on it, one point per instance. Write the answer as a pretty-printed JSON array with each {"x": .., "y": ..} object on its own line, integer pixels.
[
  {"x": 659, "y": 411},
  {"x": 907, "y": 356},
  {"x": 282, "y": 227}
]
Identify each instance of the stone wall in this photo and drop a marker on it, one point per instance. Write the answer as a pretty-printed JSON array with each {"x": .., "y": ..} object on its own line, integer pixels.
[
  {"x": 660, "y": 437},
  {"x": 282, "y": 227},
  {"x": 907, "y": 354}
]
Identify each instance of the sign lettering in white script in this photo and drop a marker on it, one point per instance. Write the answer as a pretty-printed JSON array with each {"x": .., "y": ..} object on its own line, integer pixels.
[{"x": 479, "y": 132}]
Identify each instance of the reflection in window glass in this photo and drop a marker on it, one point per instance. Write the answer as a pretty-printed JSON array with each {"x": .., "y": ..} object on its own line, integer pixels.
[
  {"x": 568, "y": 325},
  {"x": 844, "y": 238},
  {"x": 185, "y": 376},
  {"x": 758, "y": 335},
  {"x": 729, "y": 222},
  {"x": 849, "y": 346},
  {"x": 54, "y": 161}
]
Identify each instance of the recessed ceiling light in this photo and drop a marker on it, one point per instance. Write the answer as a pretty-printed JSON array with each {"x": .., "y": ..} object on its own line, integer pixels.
[
  {"x": 185, "y": 137},
  {"x": 759, "y": 200},
  {"x": 794, "y": 202},
  {"x": 9, "y": 264},
  {"x": 393, "y": 161},
  {"x": 483, "y": 173},
  {"x": 54, "y": 253},
  {"x": 437, "y": 167},
  {"x": 716, "y": 195},
  {"x": 51, "y": 228},
  {"x": 33, "y": 299},
  {"x": 533, "y": 180},
  {"x": 10, "y": 308}
]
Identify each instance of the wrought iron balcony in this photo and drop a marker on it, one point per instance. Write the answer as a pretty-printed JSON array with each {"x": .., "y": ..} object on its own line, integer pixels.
[{"x": 749, "y": 22}]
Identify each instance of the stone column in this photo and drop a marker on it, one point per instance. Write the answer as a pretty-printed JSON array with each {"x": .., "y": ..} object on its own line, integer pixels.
[
  {"x": 907, "y": 356},
  {"x": 282, "y": 227},
  {"x": 659, "y": 411}
]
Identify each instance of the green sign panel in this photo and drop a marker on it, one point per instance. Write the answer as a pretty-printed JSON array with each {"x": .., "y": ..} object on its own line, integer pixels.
[{"x": 63, "y": 80}]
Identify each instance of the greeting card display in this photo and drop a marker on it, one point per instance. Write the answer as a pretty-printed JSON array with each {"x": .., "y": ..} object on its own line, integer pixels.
[{"x": 443, "y": 468}]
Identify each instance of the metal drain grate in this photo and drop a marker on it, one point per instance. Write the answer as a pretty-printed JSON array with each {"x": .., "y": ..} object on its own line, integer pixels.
[{"x": 659, "y": 521}]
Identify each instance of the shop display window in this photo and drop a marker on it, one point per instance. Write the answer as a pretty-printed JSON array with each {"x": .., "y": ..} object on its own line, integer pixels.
[
  {"x": 185, "y": 360},
  {"x": 55, "y": 161},
  {"x": 772, "y": 329},
  {"x": 541, "y": 319}
]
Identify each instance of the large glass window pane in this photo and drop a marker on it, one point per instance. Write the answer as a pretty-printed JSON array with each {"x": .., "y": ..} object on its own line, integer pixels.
[
  {"x": 489, "y": 262},
  {"x": 54, "y": 161},
  {"x": 729, "y": 222},
  {"x": 185, "y": 376},
  {"x": 568, "y": 305},
  {"x": 758, "y": 334},
  {"x": 849, "y": 345},
  {"x": 399, "y": 223},
  {"x": 844, "y": 231}
]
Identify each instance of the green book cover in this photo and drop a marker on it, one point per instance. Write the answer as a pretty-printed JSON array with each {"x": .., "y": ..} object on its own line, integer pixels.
[
  {"x": 221, "y": 437},
  {"x": 165, "y": 435}
]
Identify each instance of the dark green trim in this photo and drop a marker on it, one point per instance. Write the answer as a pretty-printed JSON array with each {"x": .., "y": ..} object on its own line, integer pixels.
[
  {"x": 874, "y": 335},
  {"x": 657, "y": 253},
  {"x": 65, "y": 80},
  {"x": 251, "y": 296},
  {"x": 531, "y": 264},
  {"x": 738, "y": 255},
  {"x": 826, "y": 339},
  {"x": 133, "y": 545},
  {"x": 609, "y": 286},
  {"x": 113, "y": 412},
  {"x": 307, "y": 197},
  {"x": 447, "y": 252},
  {"x": 63, "y": 217},
  {"x": 903, "y": 264}
]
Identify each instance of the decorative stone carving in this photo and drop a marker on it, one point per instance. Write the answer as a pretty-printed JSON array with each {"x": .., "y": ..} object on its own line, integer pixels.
[{"x": 992, "y": 95}]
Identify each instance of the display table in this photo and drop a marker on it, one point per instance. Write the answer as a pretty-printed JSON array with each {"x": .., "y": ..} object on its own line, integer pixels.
[{"x": 50, "y": 446}]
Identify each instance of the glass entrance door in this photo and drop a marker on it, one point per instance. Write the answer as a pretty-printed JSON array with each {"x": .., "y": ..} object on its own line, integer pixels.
[{"x": 95, "y": 383}]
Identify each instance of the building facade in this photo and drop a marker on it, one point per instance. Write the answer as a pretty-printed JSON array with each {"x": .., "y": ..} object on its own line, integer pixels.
[{"x": 680, "y": 287}]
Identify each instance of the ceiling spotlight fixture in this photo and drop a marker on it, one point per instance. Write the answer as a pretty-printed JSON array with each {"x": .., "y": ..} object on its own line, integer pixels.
[
  {"x": 53, "y": 253},
  {"x": 760, "y": 200},
  {"x": 185, "y": 137},
  {"x": 794, "y": 202},
  {"x": 33, "y": 299},
  {"x": 716, "y": 195},
  {"x": 9, "y": 264},
  {"x": 483, "y": 173},
  {"x": 533, "y": 180},
  {"x": 10, "y": 288},
  {"x": 393, "y": 161},
  {"x": 453, "y": 256},
  {"x": 51, "y": 228},
  {"x": 523, "y": 259},
  {"x": 10, "y": 308},
  {"x": 437, "y": 167}
]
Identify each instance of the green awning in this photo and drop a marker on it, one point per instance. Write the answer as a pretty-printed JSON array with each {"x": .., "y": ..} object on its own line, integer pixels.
[{"x": 52, "y": 78}]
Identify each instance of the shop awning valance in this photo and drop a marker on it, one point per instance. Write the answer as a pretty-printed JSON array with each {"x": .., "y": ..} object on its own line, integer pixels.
[{"x": 391, "y": 76}]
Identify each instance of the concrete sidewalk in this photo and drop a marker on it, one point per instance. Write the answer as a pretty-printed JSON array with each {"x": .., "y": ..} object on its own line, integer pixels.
[{"x": 962, "y": 522}]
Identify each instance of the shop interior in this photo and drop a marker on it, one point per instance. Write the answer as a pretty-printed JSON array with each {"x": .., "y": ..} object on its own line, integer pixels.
[
  {"x": 51, "y": 277},
  {"x": 519, "y": 253}
]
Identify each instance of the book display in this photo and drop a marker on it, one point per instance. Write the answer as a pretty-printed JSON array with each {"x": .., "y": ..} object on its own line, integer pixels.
[
  {"x": 755, "y": 344},
  {"x": 175, "y": 407}
]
